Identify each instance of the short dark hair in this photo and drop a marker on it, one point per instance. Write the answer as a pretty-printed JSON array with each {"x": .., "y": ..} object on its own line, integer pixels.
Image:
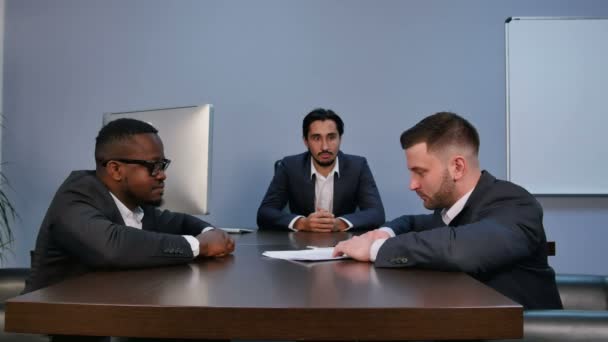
[
  {"x": 118, "y": 131},
  {"x": 441, "y": 130},
  {"x": 321, "y": 114}
]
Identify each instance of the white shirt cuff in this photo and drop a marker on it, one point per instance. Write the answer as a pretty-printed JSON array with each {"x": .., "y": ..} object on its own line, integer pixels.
[
  {"x": 293, "y": 222},
  {"x": 373, "y": 250},
  {"x": 194, "y": 244},
  {"x": 350, "y": 225},
  {"x": 388, "y": 230}
]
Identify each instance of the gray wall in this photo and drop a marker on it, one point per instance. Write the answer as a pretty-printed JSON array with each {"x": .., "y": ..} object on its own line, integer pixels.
[{"x": 383, "y": 65}]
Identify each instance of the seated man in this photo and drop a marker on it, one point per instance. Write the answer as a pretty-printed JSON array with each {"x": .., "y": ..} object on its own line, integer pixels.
[
  {"x": 107, "y": 218},
  {"x": 324, "y": 187},
  {"x": 488, "y": 228}
]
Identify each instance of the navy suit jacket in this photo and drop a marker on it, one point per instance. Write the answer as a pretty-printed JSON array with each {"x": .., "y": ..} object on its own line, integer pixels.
[
  {"x": 83, "y": 231},
  {"x": 292, "y": 184},
  {"x": 498, "y": 238}
]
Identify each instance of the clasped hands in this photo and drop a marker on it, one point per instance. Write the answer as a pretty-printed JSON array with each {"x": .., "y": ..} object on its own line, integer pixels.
[
  {"x": 359, "y": 247},
  {"x": 215, "y": 243},
  {"x": 321, "y": 221}
]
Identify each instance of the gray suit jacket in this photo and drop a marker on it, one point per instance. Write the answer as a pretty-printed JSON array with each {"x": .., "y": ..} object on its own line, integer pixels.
[
  {"x": 83, "y": 231},
  {"x": 498, "y": 238},
  {"x": 292, "y": 183}
]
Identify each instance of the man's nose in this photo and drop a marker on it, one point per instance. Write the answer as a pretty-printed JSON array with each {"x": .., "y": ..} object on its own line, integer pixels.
[
  {"x": 414, "y": 184},
  {"x": 162, "y": 175}
]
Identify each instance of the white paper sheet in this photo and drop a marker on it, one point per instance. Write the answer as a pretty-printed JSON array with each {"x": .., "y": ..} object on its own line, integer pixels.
[{"x": 311, "y": 254}]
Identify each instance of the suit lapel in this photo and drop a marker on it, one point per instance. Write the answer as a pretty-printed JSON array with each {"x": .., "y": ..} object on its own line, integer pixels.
[
  {"x": 148, "y": 222},
  {"x": 308, "y": 190},
  {"x": 468, "y": 211},
  {"x": 339, "y": 186},
  {"x": 110, "y": 208},
  {"x": 462, "y": 218},
  {"x": 437, "y": 220}
]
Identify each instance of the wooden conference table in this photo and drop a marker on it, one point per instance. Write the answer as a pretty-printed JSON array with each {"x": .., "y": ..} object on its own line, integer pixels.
[{"x": 249, "y": 296}]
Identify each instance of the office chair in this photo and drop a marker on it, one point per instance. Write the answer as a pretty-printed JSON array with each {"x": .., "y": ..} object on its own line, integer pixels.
[
  {"x": 585, "y": 314},
  {"x": 12, "y": 283}
]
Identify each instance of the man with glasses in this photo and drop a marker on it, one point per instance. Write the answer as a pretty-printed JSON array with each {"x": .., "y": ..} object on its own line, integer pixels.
[{"x": 108, "y": 218}]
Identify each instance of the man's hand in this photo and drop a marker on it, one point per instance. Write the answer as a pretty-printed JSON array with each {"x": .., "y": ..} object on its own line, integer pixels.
[
  {"x": 340, "y": 225},
  {"x": 320, "y": 221},
  {"x": 377, "y": 234},
  {"x": 357, "y": 248},
  {"x": 215, "y": 243}
]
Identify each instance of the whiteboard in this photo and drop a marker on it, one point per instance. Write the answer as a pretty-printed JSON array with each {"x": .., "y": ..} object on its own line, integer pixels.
[{"x": 557, "y": 105}]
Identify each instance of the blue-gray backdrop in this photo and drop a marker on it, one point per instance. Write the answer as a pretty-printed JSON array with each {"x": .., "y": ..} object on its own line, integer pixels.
[{"x": 383, "y": 65}]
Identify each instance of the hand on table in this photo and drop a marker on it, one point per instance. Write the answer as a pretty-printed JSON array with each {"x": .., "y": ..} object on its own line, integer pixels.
[
  {"x": 357, "y": 248},
  {"x": 321, "y": 221},
  {"x": 215, "y": 243}
]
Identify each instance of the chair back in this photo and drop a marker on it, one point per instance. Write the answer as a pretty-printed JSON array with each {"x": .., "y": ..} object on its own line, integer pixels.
[
  {"x": 12, "y": 282},
  {"x": 583, "y": 291}
]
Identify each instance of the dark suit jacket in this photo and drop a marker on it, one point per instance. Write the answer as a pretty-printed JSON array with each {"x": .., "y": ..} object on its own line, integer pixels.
[
  {"x": 83, "y": 230},
  {"x": 498, "y": 238},
  {"x": 292, "y": 183}
]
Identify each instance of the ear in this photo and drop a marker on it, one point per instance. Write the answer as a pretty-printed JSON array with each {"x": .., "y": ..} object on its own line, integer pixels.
[
  {"x": 305, "y": 142},
  {"x": 458, "y": 167},
  {"x": 115, "y": 170}
]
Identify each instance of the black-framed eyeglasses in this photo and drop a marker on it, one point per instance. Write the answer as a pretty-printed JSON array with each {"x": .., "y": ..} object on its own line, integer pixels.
[{"x": 154, "y": 166}]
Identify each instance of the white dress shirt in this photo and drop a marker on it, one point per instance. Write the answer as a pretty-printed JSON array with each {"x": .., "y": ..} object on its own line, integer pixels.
[
  {"x": 447, "y": 215},
  {"x": 324, "y": 192},
  {"x": 133, "y": 219}
]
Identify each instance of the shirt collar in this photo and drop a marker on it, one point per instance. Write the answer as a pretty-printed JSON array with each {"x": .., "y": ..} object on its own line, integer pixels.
[
  {"x": 336, "y": 169},
  {"x": 138, "y": 213},
  {"x": 447, "y": 215}
]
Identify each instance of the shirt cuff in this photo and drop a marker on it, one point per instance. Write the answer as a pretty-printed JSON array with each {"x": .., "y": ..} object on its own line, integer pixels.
[
  {"x": 373, "y": 250},
  {"x": 194, "y": 244},
  {"x": 348, "y": 223},
  {"x": 390, "y": 231},
  {"x": 293, "y": 222}
]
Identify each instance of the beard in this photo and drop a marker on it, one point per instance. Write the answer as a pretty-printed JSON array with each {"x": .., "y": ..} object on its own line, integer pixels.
[
  {"x": 140, "y": 200},
  {"x": 155, "y": 203},
  {"x": 442, "y": 199},
  {"x": 323, "y": 163}
]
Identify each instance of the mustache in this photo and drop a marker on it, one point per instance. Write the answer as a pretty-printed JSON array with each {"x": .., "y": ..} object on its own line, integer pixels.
[{"x": 328, "y": 152}]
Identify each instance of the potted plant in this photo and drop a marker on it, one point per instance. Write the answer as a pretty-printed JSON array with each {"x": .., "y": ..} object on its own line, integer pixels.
[{"x": 7, "y": 214}]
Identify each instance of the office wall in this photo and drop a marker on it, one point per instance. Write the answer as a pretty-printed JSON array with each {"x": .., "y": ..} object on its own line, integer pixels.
[
  {"x": 383, "y": 65},
  {"x": 2, "y": 4}
]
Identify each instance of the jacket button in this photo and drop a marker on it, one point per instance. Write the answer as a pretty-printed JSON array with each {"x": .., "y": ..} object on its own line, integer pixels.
[{"x": 401, "y": 260}]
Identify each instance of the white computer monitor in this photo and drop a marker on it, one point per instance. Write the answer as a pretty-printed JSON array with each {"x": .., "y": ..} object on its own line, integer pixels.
[{"x": 186, "y": 135}]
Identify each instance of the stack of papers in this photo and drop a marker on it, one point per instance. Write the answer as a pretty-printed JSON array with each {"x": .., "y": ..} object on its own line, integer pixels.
[{"x": 311, "y": 254}]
